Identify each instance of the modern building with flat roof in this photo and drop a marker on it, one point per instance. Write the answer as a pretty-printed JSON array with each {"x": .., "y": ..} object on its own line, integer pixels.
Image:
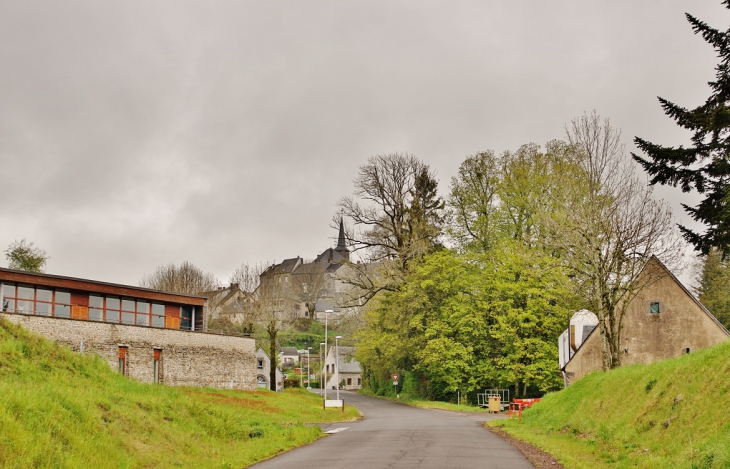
[{"x": 152, "y": 336}]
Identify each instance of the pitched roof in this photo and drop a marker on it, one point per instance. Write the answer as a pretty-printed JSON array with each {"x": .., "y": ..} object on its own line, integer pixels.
[
  {"x": 289, "y": 351},
  {"x": 346, "y": 362}
]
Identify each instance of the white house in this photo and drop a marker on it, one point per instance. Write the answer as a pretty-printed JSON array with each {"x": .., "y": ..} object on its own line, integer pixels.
[
  {"x": 263, "y": 371},
  {"x": 350, "y": 372},
  {"x": 581, "y": 325}
]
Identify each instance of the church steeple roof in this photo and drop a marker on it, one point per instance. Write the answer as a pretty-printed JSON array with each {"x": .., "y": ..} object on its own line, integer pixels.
[{"x": 341, "y": 244}]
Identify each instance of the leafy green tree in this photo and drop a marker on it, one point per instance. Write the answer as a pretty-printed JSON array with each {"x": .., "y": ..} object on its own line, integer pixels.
[
  {"x": 22, "y": 255},
  {"x": 714, "y": 282},
  {"x": 704, "y": 166}
]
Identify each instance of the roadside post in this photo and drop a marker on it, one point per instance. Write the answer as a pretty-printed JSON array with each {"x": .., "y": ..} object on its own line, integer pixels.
[{"x": 395, "y": 385}]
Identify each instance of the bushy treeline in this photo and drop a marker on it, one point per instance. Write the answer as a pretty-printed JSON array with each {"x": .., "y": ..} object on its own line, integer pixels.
[{"x": 526, "y": 238}]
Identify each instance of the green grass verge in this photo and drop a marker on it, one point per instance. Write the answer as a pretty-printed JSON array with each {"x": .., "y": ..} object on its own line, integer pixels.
[
  {"x": 61, "y": 409},
  {"x": 671, "y": 414},
  {"x": 425, "y": 404}
]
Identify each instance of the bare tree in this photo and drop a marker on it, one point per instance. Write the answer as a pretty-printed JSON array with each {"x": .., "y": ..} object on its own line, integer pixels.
[
  {"x": 311, "y": 283},
  {"x": 185, "y": 278},
  {"x": 274, "y": 308},
  {"x": 246, "y": 276},
  {"x": 396, "y": 217},
  {"x": 611, "y": 228}
]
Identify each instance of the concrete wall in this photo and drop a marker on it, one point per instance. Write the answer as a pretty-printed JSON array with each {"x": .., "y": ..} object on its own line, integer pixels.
[
  {"x": 647, "y": 337},
  {"x": 188, "y": 358}
]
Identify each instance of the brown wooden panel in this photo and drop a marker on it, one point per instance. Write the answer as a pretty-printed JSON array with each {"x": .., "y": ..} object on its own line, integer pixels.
[
  {"x": 79, "y": 312},
  {"x": 172, "y": 323}
]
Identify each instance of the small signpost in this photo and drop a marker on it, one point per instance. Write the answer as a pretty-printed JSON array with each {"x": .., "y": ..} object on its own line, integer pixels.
[{"x": 395, "y": 384}]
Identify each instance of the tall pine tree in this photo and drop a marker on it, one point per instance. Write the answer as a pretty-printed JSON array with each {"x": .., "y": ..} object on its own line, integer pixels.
[{"x": 705, "y": 166}]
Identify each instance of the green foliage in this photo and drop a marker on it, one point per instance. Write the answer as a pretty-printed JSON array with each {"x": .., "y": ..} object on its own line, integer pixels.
[
  {"x": 713, "y": 290},
  {"x": 22, "y": 255},
  {"x": 702, "y": 167},
  {"x": 463, "y": 322},
  {"x": 61, "y": 409},
  {"x": 616, "y": 419}
]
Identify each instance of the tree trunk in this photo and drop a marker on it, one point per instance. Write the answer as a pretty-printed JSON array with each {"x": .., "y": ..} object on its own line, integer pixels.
[{"x": 273, "y": 358}]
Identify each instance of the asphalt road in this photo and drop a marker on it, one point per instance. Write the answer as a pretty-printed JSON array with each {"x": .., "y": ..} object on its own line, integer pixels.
[{"x": 394, "y": 435}]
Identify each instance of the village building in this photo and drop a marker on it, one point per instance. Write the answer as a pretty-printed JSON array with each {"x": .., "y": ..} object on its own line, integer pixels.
[
  {"x": 664, "y": 320},
  {"x": 149, "y": 335},
  {"x": 263, "y": 371},
  {"x": 340, "y": 364},
  {"x": 288, "y": 356}
]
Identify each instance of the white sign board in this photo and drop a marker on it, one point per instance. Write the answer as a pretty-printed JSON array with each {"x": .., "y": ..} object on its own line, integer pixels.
[{"x": 338, "y": 403}]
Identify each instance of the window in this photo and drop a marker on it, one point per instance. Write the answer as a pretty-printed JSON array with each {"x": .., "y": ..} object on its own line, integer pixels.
[
  {"x": 96, "y": 308},
  {"x": 62, "y": 304},
  {"x": 349, "y": 381},
  {"x": 143, "y": 313},
  {"x": 186, "y": 318},
  {"x": 259, "y": 363},
  {"x": 128, "y": 310},
  {"x": 655, "y": 307},
  {"x": 157, "y": 366},
  {"x": 158, "y": 315},
  {"x": 8, "y": 297},
  {"x": 359, "y": 381},
  {"x": 28, "y": 299}
]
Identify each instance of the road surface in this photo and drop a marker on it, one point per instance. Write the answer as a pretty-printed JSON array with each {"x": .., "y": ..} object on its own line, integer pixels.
[{"x": 394, "y": 435}]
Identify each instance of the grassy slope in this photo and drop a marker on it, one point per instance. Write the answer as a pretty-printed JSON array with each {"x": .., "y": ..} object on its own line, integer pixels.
[
  {"x": 635, "y": 417},
  {"x": 61, "y": 409}
]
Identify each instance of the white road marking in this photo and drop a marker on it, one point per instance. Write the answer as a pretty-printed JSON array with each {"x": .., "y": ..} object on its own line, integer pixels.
[{"x": 336, "y": 430}]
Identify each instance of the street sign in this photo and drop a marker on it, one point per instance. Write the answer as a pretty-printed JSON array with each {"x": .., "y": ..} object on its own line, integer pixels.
[{"x": 395, "y": 377}]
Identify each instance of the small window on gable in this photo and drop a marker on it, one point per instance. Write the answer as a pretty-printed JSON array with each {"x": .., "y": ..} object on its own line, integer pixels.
[
  {"x": 259, "y": 363},
  {"x": 655, "y": 307}
]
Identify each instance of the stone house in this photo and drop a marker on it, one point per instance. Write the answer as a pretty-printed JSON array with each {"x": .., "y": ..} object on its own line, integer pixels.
[
  {"x": 664, "y": 320},
  {"x": 288, "y": 356},
  {"x": 152, "y": 336},
  {"x": 263, "y": 371},
  {"x": 346, "y": 368}
]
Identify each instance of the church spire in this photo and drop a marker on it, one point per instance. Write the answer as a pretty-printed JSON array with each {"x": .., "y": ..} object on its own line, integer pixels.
[{"x": 341, "y": 243}]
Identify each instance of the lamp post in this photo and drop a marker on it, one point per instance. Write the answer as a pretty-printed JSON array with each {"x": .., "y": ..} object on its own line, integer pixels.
[
  {"x": 321, "y": 367},
  {"x": 326, "y": 317},
  {"x": 309, "y": 371},
  {"x": 337, "y": 365}
]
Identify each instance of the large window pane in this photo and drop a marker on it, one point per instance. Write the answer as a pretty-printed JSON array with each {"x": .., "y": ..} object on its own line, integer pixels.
[
  {"x": 158, "y": 321},
  {"x": 128, "y": 305},
  {"x": 112, "y": 316},
  {"x": 62, "y": 311},
  {"x": 63, "y": 297},
  {"x": 25, "y": 306},
  {"x": 42, "y": 294},
  {"x": 143, "y": 307},
  {"x": 96, "y": 301},
  {"x": 43, "y": 309},
  {"x": 158, "y": 309},
  {"x": 112, "y": 303},
  {"x": 8, "y": 290},
  {"x": 8, "y": 305},
  {"x": 143, "y": 319},
  {"x": 127, "y": 318},
  {"x": 96, "y": 314},
  {"x": 186, "y": 317},
  {"x": 25, "y": 293}
]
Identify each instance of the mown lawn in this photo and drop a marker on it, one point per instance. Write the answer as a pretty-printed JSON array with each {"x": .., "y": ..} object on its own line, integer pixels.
[{"x": 61, "y": 409}]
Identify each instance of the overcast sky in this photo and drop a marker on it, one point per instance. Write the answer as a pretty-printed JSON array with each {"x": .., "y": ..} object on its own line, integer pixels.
[{"x": 138, "y": 133}]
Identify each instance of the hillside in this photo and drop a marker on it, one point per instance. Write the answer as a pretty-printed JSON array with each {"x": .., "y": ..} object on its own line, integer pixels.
[
  {"x": 671, "y": 414},
  {"x": 61, "y": 409}
]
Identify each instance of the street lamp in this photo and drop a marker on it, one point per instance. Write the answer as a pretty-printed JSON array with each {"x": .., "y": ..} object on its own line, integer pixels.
[
  {"x": 321, "y": 367},
  {"x": 326, "y": 316},
  {"x": 337, "y": 365},
  {"x": 309, "y": 371}
]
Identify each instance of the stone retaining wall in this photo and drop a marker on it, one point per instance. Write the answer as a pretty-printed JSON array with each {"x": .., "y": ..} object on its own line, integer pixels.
[{"x": 187, "y": 358}]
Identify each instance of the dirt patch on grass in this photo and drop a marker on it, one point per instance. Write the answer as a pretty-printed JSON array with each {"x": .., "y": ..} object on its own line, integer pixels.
[
  {"x": 237, "y": 401},
  {"x": 539, "y": 458}
]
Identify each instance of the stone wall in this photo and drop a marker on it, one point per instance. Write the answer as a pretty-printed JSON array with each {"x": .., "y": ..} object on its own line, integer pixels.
[{"x": 187, "y": 358}]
